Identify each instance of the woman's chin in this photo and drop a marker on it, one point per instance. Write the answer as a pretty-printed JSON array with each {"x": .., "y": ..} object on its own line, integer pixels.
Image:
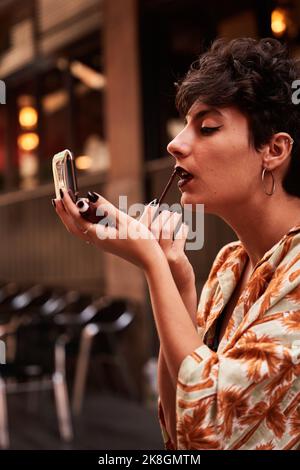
[{"x": 187, "y": 198}]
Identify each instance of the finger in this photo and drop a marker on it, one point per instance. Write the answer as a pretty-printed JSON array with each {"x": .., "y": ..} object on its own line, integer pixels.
[
  {"x": 102, "y": 230},
  {"x": 60, "y": 210},
  {"x": 158, "y": 223},
  {"x": 74, "y": 221},
  {"x": 70, "y": 207},
  {"x": 107, "y": 209},
  {"x": 67, "y": 220},
  {"x": 181, "y": 237},
  {"x": 168, "y": 230},
  {"x": 62, "y": 207},
  {"x": 78, "y": 226},
  {"x": 148, "y": 215}
]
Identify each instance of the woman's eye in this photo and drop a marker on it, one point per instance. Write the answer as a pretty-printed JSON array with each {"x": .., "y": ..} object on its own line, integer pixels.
[{"x": 209, "y": 130}]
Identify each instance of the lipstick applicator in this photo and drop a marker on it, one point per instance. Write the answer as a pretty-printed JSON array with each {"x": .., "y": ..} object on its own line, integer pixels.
[{"x": 168, "y": 185}]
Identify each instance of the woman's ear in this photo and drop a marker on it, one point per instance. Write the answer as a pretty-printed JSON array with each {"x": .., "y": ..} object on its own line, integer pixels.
[{"x": 278, "y": 150}]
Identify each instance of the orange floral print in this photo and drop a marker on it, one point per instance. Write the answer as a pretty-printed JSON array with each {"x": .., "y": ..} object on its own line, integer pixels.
[{"x": 247, "y": 394}]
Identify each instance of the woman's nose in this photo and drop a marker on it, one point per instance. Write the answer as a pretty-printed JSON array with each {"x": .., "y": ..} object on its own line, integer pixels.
[{"x": 178, "y": 148}]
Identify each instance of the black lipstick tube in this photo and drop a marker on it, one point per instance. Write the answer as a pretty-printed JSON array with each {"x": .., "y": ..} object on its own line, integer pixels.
[{"x": 88, "y": 212}]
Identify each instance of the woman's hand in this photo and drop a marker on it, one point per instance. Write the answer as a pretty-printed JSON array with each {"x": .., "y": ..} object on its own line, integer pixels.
[
  {"x": 117, "y": 233},
  {"x": 163, "y": 228}
]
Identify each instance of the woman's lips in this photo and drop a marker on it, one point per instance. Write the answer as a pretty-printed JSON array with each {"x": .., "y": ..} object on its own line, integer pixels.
[
  {"x": 184, "y": 181},
  {"x": 185, "y": 176}
]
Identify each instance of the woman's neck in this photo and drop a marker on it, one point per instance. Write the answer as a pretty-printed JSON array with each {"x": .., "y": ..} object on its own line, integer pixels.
[{"x": 261, "y": 225}]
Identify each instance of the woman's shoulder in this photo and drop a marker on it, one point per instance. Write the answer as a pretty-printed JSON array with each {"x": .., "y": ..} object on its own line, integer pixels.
[
  {"x": 230, "y": 248},
  {"x": 229, "y": 257},
  {"x": 231, "y": 251}
]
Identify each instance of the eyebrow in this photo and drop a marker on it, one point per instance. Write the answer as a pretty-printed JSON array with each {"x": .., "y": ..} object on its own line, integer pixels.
[{"x": 204, "y": 112}]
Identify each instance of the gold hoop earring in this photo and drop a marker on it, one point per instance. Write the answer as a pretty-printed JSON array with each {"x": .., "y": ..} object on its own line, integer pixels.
[{"x": 263, "y": 182}]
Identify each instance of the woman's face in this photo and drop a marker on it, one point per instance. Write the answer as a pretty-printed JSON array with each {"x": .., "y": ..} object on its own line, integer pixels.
[{"x": 214, "y": 148}]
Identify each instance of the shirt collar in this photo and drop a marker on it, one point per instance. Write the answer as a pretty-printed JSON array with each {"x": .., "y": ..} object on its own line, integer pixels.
[{"x": 241, "y": 254}]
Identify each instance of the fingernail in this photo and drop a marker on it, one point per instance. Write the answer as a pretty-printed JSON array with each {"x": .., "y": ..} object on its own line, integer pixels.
[
  {"x": 72, "y": 195},
  {"x": 93, "y": 197},
  {"x": 154, "y": 202},
  {"x": 61, "y": 193},
  {"x": 53, "y": 203}
]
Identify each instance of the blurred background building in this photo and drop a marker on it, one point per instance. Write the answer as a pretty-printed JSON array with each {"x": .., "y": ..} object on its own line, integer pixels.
[{"x": 97, "y": 77}]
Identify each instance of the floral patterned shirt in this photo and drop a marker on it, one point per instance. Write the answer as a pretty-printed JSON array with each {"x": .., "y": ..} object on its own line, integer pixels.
[{"x": 246, "y": 395}]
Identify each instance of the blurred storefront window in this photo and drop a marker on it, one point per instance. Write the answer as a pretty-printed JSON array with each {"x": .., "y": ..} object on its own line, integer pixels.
[{"x": 52, "y": 66}]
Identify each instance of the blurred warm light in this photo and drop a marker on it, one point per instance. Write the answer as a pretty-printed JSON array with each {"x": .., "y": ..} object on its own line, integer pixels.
[
  {"x": 174, "y": 127},
  {"x": 87, "y": 75},
  {"x": 84, "y": 162},
  {"x": 28, "y": 117},
  {"x": 278, "y": 21},
  {"x": 25, "y": 100},
  {"x": 28, "y": 170},
  {"x": 53, "y": 102},
  {"x": 28, "y": 141}
]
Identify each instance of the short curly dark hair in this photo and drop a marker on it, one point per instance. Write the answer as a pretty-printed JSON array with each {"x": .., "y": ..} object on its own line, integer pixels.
[{"x": 256, "y": 76}]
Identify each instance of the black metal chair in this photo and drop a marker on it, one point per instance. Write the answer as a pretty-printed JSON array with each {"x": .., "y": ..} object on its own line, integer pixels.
[
  {"x": 38, "y": 361},
  {"x": 7, "y": 293},
  {"x": 107, "y": 318}
]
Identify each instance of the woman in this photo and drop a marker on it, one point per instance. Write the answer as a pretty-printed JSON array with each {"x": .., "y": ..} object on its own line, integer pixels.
[{"x": 229, "y": 369}]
